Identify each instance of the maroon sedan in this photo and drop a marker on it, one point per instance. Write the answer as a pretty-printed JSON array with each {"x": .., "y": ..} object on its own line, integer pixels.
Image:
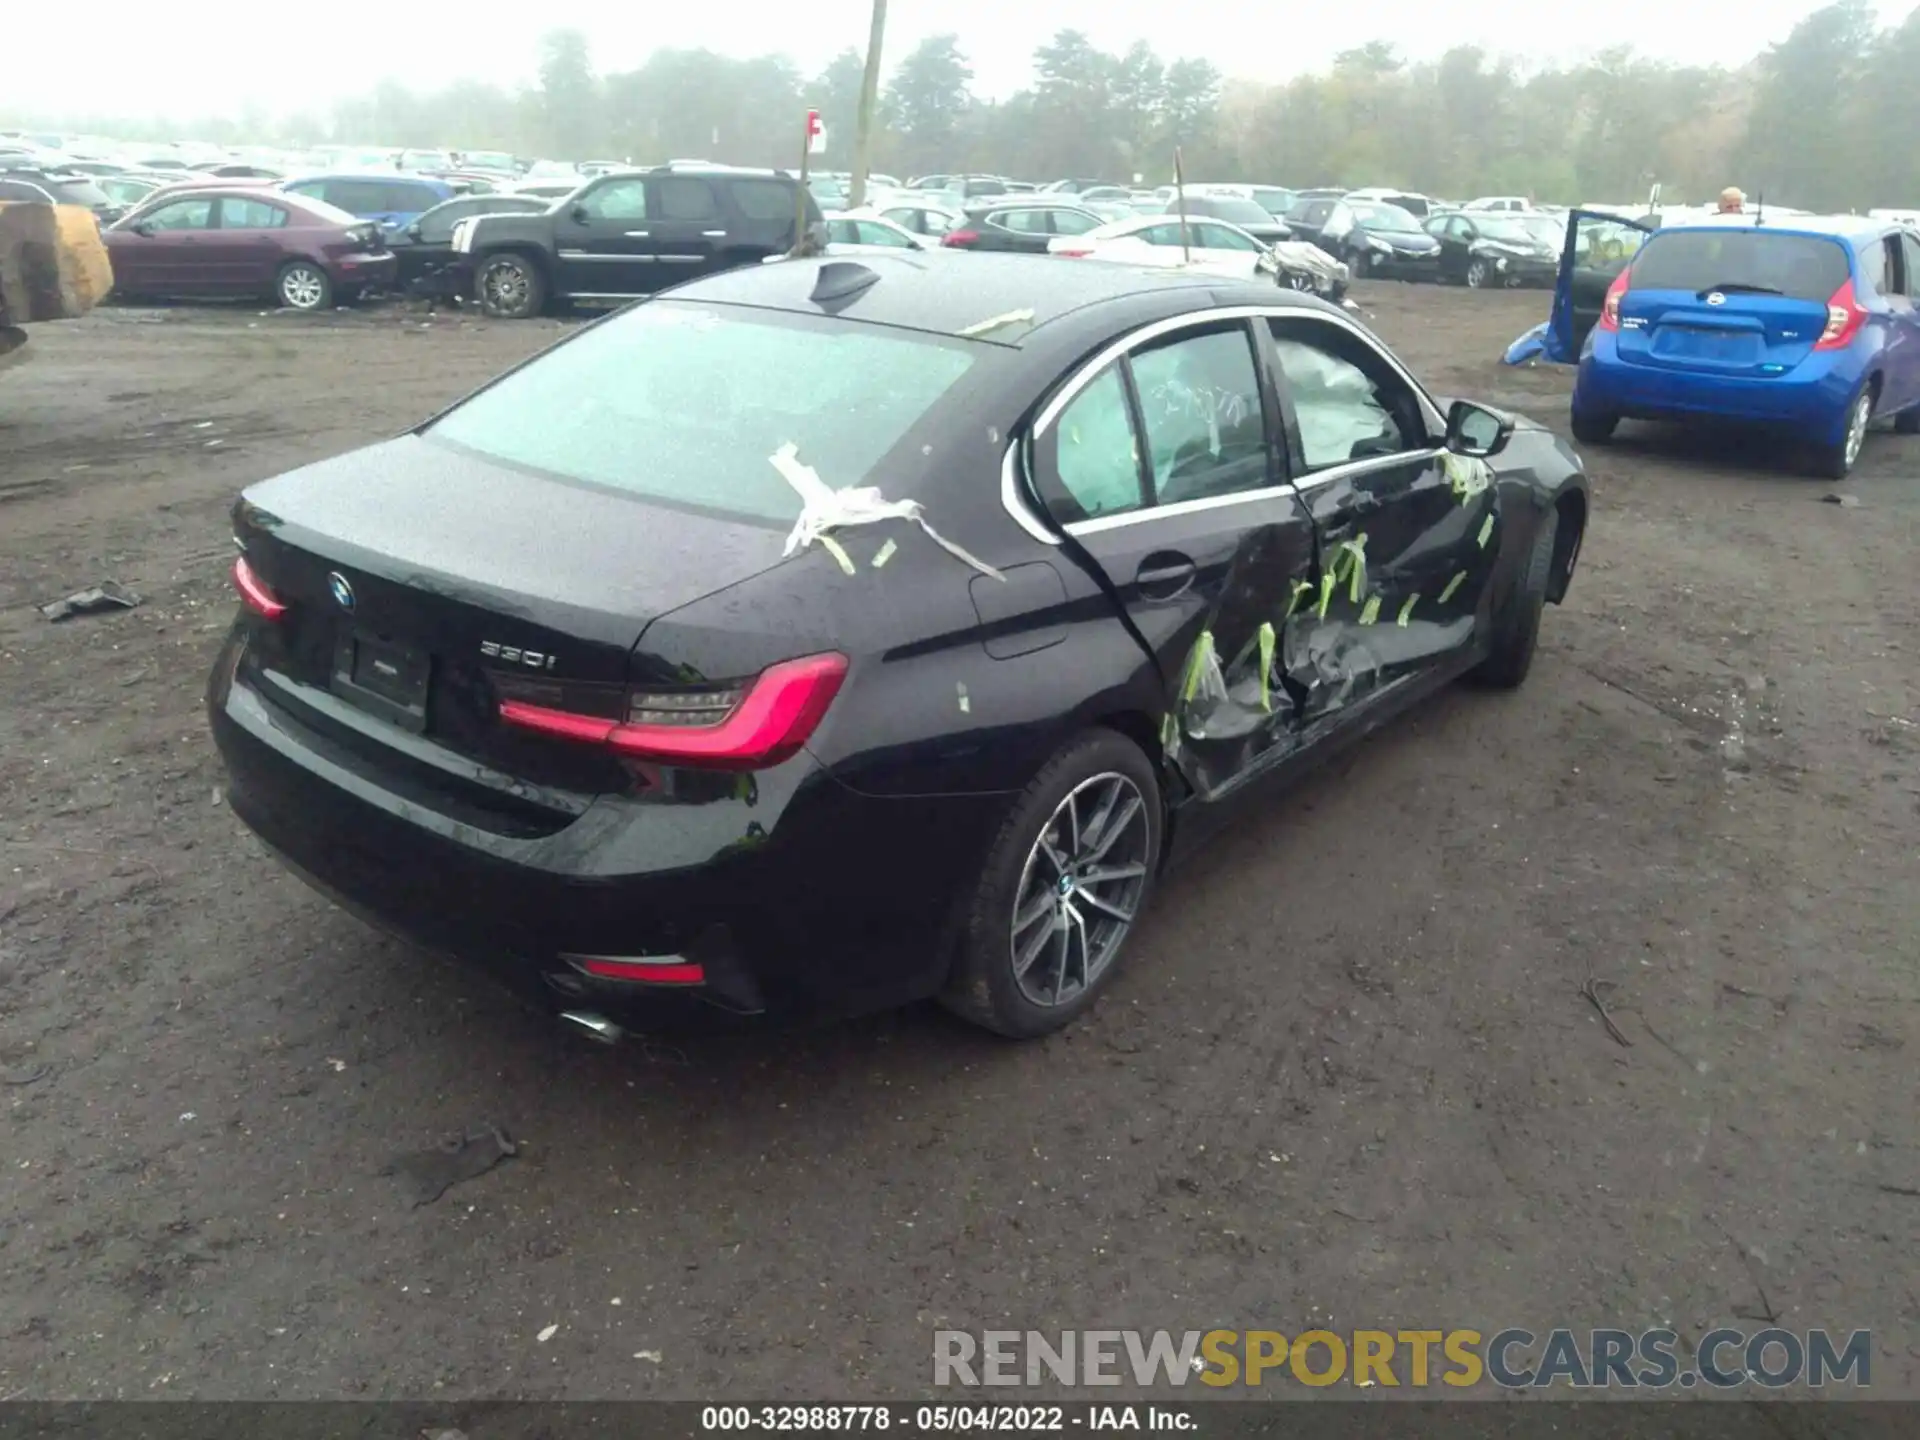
[{"x": 223, "y": 241}]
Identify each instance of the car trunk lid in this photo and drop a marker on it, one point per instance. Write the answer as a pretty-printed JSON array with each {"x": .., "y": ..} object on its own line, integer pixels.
[{"x": 425, "y": 585}]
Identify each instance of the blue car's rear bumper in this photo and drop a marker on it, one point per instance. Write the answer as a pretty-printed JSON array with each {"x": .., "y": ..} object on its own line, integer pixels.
[{"x": 1810, "y": 400}]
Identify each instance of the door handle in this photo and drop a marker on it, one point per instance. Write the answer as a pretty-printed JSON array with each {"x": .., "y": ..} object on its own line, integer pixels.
[
  {"x": 1163, "y": 575},
  {"x": 639, "y": 234},
  {"x": 714, "y": 234}
]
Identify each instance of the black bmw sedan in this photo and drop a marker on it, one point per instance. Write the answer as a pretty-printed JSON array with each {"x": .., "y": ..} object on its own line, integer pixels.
[{"x": 822, "y": 635}]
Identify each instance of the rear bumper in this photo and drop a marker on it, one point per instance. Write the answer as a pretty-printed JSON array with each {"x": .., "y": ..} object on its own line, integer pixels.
[
  {"x": 366, "y": 271},
  {"x": 1811, "y": 400},
  {"x": 792, "y": 893}
]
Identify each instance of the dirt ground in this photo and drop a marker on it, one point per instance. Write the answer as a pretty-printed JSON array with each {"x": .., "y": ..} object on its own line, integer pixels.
[{"x": 1348, "y": 1078}]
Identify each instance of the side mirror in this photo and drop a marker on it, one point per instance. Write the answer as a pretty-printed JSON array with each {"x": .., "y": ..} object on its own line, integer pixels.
[
  {"x": 580, "y": 214},
  {"x": 412, "y": 232},
  {"x": 144, "y": 228},
  {"x": 1476, "y": 431}
]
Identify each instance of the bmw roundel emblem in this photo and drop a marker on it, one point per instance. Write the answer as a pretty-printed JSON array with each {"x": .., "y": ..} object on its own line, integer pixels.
[{"x": 342, "y": 591}]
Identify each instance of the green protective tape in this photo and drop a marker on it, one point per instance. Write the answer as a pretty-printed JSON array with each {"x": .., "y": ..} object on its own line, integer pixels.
[
  {"x": 1266, "y": 665},
  {"x": 1486, "y": 532},
  {"x": 1353, "y": 554},
  {"x": 1327, "y": 583},
  {"x": 838, "y": 551},
  {"x": 1452, "y": 585},
  {"x": 1169, "y": 732},
  {"x": 1406, "y": 609},
  {"x": 1202, "y": 652},
  {"x": 1301, "y": 589},
  {"x": 1371, "y": 612}
]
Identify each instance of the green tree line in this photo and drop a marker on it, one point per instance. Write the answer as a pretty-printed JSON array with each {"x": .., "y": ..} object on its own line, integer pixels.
[{"x": 1819, "y": 120}]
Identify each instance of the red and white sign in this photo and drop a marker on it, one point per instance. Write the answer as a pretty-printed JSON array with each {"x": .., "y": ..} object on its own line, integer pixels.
[{"x": 816, "y": 134}]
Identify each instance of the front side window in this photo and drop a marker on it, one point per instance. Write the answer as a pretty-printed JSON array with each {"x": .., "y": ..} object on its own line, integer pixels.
[
  {"x": 683, "y": 404},
  {"x": 1224, "y": 237},
  {"x": 1021, "y": 222},
  {"x": 182, "y": 215},
  {"x": 764, "y": 199},
  {"x": 1074, "y": 222},
  {"x": 1348, "y": 403},
  {"x": 868, "y": 233},
  {"x": 617, "y": 200},
  {"x": 1200, "y": 404}
]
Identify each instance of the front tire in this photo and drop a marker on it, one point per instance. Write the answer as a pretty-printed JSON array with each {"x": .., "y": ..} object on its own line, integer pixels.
[
  {"x": 1476, "y": 273},
  {"x": 1063, "y": 884},
  {"x": 510, "y": 287},
  {"x": 302, "y": 285},
  {"x": 1516, "y": 625}
]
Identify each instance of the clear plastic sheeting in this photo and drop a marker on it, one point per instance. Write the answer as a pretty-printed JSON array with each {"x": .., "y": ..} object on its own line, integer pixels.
[{"x": 824, "y": 510}]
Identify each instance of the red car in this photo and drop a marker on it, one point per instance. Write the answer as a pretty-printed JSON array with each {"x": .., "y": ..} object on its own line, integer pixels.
[{"x": 220, "y": 241}]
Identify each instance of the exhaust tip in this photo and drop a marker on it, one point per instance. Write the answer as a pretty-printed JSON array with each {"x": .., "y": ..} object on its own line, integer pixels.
[{"x": 594, "y": 1027}]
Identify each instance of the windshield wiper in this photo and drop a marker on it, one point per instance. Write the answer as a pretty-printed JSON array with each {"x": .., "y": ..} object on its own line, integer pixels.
[{"x": 1735, "y": 287}]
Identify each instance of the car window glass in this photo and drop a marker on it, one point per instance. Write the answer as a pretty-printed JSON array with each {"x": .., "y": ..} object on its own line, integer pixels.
[
  {"x": 871, "y": 233},
  {"x": 23, "y": 190},
  {"x": 685, "y": 198},
  {"x": 182, "y": 215},
  {"x": 842, "y": 232},
  {"x": 617, "y": 200},
  {"x": 1347, "y": 401},
  {"x": 1074, "y": 222},
  {"x": 1910, "y": 253},
  {"x": 1899, "y": 282},
  {"x": 1873, "y": 266},
  {"x": 1161, "y": 234},
  {"x": 763, "y": 199},
  {"x": 1220, "y": 237},
  {"x": 238, "y": 213},
  {"x": 1097, "y": 461},
  {"x": 1200, "y": 404},
  {"x": 436, "y": 225},
  {"x": 1021, "y": 222},
  {"x": 721, "y": 389},
  {"x": 912, "y": 219}
]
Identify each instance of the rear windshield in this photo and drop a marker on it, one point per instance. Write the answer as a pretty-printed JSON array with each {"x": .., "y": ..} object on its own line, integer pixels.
[
  {"x": 1805, "y": 267},
  {"x": 684, "y": 403},
  {"x": 1240, "y": 212}
]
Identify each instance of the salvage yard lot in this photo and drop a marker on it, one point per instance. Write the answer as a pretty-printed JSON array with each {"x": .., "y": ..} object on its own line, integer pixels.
[{"x": 1349, "y": 1076}]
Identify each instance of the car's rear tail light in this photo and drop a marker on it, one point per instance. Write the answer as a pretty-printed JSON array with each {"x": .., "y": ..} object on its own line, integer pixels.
[
  {"x": 747, "y": 727},
  {"x": 1610, "y": 307},
  {"x": 643, "y": 970},
  {"x": 960, "y": 239},
  {"x": 1077, "y": 253},
  {"x": 254, "y": 593},
  {"x": 1845, "y": 316}
]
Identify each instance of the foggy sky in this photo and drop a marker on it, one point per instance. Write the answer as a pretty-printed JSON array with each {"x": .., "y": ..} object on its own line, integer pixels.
[{"x": 204, "y": 58}]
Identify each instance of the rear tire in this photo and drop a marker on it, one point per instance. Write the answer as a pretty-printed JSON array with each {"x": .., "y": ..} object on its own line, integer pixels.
[
  {"x": 1516, "y": 625},
  {"x": 1063, "y": 885},
  {"x": 302, "y": 285},
  {"x": 1836, "y": 459},
  {"x": 510, "y": 287},
  {"x": 1592, "y": 429}
]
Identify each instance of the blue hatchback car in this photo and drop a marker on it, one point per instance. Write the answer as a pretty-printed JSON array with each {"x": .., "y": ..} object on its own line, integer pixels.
[
  {"x": 1802, "y": 324},
  {"x": 392, "y": 199}
]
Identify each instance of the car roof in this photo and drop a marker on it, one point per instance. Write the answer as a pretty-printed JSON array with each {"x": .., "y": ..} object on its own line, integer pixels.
[
  {"x": 913, "y": 295},
  {"x": 1832, "y": 227},
  {"x": 406, "y": 176}
]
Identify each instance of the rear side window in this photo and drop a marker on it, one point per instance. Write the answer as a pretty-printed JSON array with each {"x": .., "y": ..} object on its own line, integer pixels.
[
  {"x": 682, "y": 404},
  {"x": 242, "y": 213},
  {"x": 1096, "y": 457},
  {"x": 685, "y": 199},
  {"x": 763, "y": 199},
  {"x": 1805, "y": 267}
]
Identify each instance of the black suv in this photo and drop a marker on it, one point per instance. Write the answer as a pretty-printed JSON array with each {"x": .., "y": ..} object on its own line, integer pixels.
[{"x": 631, "y": 233}]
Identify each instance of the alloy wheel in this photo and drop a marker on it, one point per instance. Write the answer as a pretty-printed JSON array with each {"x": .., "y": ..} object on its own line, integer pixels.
[
  {"x": 1857, "y": 426},
  {"x": 303, "y": 288},
  {"x": 1080, "y": 889},
  {"x": 1302, "y": 283},
  {"x": 504, "y": 286},
  {"x": 1476, "y": 274}
]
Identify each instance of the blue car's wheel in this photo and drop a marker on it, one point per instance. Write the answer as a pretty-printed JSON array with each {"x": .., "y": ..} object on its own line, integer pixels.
[
  {"x": 1835, "y": 459},
  {"x": 1593, "y": 429}
]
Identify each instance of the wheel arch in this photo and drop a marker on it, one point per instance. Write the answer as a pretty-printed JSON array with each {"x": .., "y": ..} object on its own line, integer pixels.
[{"x": 1572, "y": 509}]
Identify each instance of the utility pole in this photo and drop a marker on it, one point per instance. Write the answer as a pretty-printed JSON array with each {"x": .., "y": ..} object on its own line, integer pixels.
[{"x": 869, "y": 97}]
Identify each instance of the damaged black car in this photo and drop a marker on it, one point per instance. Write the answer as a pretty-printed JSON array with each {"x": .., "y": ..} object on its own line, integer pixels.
[
  {"x": 1482, "y": 250},
  {"x": 823, "y": 635}
]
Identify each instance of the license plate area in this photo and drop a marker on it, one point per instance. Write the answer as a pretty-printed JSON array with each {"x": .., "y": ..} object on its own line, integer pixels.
[
  {"x": 1727, "y": 347},
  {"x": 382, "y": 677}
]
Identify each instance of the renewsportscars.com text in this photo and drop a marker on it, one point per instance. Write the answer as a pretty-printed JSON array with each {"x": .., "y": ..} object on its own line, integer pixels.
[{"x": 1510, "y": 1359}]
